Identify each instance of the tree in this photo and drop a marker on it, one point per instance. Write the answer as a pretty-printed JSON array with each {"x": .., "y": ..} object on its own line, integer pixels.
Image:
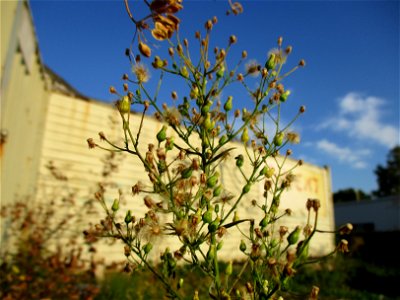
[
  {"x": 388, "y": 177},
  {"x": 350, "y": 194}
]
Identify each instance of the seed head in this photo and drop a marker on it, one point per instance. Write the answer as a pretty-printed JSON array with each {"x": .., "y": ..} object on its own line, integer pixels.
[
  {"x": 316, "y": 204},
  {"x": 112, "y": 90},
  {"x": 141, "y": 72},
  {"x": 314, "y": 293},
  {"x": 280, "y": 40},
  {"x": 346, "y": 229},
  {"x": 102, "y": 136},
  {"x": 208, "y": 25},
  {"x": 91, "y": 143},
  {"x": 343, "y": 246},
  {"x": 232, "y": 39},
  {"x": 302, "y": 63},
  {"x": 144, "y": 49}
]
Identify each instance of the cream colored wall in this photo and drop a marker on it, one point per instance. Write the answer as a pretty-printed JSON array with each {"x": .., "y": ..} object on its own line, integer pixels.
[
  {"x": 71, "y": 121},
  {"x": 45, "y": 127},
  {"x": 8, "y": 10},
  {"x": 23, "y": 105}
]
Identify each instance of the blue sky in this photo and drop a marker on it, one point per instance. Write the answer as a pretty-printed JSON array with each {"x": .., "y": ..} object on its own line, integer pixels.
[{"x": 350, "y": 85}]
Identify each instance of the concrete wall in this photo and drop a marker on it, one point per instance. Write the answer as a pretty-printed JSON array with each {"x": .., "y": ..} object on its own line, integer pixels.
[{"x": 384, "y": 214}]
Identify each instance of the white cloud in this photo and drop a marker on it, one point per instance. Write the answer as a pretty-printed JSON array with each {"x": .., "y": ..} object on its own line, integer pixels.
[
  {"x": 356, "y": 158},
  {"x": 360, "y": 117}
]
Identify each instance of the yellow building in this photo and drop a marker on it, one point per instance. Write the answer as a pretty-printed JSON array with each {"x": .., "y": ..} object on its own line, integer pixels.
[{"x": 44, "y": 119}]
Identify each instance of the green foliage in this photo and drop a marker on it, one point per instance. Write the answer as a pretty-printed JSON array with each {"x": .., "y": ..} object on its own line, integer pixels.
[
  {"x": 348, "y": 195},
  {"x": 388, "y": 177},
  {"x": 339, "y": 277},
  {"x": 344, "y": 277},
  {"x": 36, "y": 263}
]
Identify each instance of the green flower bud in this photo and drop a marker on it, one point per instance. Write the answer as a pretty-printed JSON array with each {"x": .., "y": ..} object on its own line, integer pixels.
[
  {"x": 242, "y": 246},
  {"x": 264, "y": 222},
  {"x": 216, "y": 209},
  {"x": 246, "y": 188},
  {"x": 274, "y": 243},
  {"x": 212, "y": 181},
  {"x": 207, "y": 216},
  {"x": 161, "y": 166},
  {"x": 124, "y": 105},
  {"x": 162, "y": 134},
  {"x": 220, "y": 245},
  {"x": 228, "y": 104},
  {"x": 128, "y": 217},
  {"x": 158, "y": 63},
  {"x": 265, "y": 286},
  {"x": 278, "y": 139},
  {"x": 115, "y": 205},
  {"x": 180, "y": 283},
  {"x": 245, "y": 136},
  {"x": 229, "y": 268},
  {"x": 184, "y": 72},
  {"x": 239, "y": 160},
  {"x": 294, "y": 236},
  {"x": 147, "y": 248},
  {"x": 211, "y": 253},
  {"x": 207, "y": 124},
  {"x": 217, "y": 191},
  {"x": 284, "y": 96},
  {"x": 169, "y": 145},
  {"x": 267, "y": 171},
  {"x": 213, "y": 226},
  {"x": 196, "y": 295},
  {"x": 194, "y": 92},
  {"x": 186, "y": 173},
  {"x": 221, "y": 71},
  {"x": 206, "y": 108},
  {"x": 271, "y": 62},
  {"x": 223, "y": 140},
  {"x": 235, "y": 216}
]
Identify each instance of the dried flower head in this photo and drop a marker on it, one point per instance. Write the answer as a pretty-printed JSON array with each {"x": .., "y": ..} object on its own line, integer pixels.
[
  {"x": 314, "y": 293},
  {"x": 252, "y": 68},
  {"x": 346, "y": 229},
  {"x": 91, "y": 143},
  {"x": 280, "y": 56},
  {"x": 137, "y": 188},
  {"x": 141, "y": 72},
  {"x": 293, "y": 137},
  {"x": 343, "y": 246},
  {"x": 283, "y": 230}
]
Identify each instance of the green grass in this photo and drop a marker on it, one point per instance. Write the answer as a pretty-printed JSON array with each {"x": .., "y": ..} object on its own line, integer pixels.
[{"x": 337, "y": 278}]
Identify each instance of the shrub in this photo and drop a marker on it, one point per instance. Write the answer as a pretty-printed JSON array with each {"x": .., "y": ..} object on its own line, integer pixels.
[{"x": 183, "y": 171}]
